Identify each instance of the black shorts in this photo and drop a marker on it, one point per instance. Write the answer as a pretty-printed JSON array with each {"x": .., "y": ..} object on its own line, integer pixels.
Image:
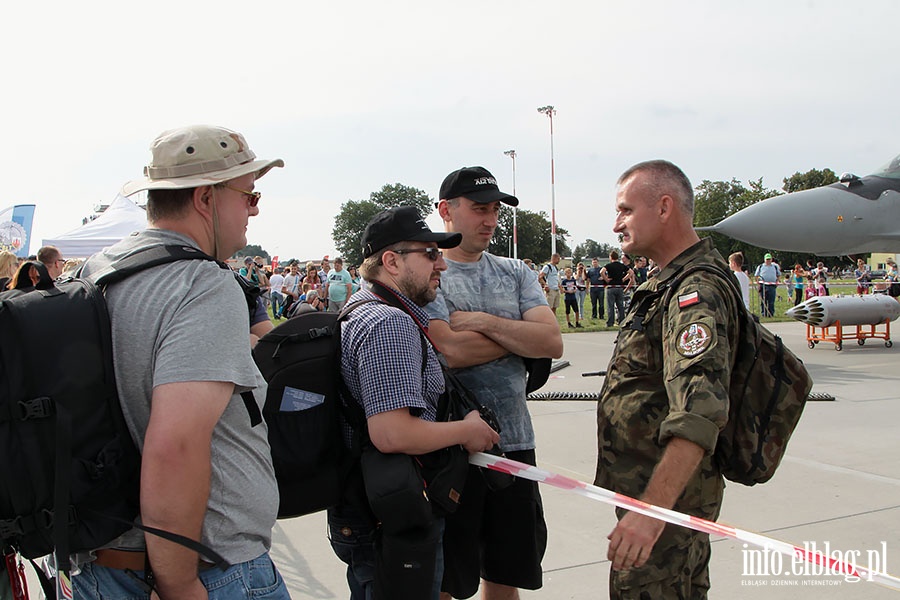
[
  {"x": 571, "y": 303},
  {"x": 499, "y": 536}
]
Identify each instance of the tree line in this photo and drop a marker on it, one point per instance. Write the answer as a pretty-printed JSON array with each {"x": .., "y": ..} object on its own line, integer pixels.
[{"x": 713, "y": 201}]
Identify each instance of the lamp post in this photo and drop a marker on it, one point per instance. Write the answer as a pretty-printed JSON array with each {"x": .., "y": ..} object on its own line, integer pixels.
[
  {"x": 515, "y": 236},
  {"x": 550, "y": 111}
]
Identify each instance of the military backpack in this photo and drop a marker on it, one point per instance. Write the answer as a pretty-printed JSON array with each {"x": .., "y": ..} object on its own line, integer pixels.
[{"x": 767, "y": 392}]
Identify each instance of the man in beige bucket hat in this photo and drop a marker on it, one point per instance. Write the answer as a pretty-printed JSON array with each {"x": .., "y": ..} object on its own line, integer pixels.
[{"x": 182, "y": 359}]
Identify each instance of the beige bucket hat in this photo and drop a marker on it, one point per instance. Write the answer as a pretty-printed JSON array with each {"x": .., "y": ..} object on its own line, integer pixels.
[{"x": 198, "y": 155}]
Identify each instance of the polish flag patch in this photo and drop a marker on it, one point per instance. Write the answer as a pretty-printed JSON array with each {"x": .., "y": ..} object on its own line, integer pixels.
[{"x": 688, "y": 299}]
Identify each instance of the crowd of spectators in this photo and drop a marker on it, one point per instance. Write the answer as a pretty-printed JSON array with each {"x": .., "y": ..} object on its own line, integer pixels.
[
  {"x": 607, "y": 288},
  {"x": 296, "y": 289}
]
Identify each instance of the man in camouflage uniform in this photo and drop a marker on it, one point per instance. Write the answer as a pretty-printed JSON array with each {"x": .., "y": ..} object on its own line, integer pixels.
[{"x": 665, "y": 397}]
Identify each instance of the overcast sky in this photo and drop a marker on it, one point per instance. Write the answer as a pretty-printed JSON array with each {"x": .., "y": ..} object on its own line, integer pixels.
[{"x": 353, "y": 95}]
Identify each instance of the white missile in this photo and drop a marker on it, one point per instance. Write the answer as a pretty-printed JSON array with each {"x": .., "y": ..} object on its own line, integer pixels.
[{"x": 824, "y": 311}]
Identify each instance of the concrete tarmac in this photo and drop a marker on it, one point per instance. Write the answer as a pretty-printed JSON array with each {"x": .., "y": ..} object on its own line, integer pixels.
[{"x": 839, "y": 484}]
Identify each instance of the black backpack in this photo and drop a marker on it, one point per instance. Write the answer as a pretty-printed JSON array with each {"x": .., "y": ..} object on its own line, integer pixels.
[
  {"x": 300, "y": 360},
  {"x": 768, "y": 390},
  {"x": 70, "y": 472}
]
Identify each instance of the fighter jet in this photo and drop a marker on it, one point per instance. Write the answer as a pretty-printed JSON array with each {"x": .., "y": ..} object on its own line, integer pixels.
[{"x": 855, "y": 216}]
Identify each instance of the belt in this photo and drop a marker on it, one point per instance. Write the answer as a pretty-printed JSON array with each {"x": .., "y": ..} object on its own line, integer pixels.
[
  {"x": 121, "y": 559},
  {"x": 134, "y": 561}
]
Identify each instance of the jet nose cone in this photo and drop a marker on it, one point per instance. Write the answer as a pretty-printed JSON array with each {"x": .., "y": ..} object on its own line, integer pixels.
[{"x": 773, "y": 223}]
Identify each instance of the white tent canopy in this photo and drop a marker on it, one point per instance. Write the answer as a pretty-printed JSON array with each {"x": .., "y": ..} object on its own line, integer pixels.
[{"x": 121, "y": 219}]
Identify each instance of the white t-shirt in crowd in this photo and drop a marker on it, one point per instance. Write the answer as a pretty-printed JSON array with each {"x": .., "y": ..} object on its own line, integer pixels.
[{"x": 744, "y": 282}]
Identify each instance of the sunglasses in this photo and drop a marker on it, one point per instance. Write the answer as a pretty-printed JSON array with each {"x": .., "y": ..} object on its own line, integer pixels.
[
  {"x": 252, "y": 197},
  {"x": 431, "y": 253}
]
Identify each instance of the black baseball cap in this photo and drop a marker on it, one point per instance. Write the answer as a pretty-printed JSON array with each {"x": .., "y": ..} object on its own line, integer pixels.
[
  {"x": 476, "y": 184},
  {"x": 401, "y": 224}
]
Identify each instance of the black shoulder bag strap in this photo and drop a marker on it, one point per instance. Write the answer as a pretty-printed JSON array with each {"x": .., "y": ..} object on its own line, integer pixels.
[
  {"x": 455, "y": 390},
  {"x": 462, "y": 393},
  {"x": 390, "y": 297},
  {"x": 351, "y": 409}
]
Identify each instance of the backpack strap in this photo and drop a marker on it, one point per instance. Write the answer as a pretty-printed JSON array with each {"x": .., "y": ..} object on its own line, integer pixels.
[
  {"x": 150, "y": 257},
  {"x": 729, "y": 278},
  {"x": 352, "y": 411},
  {"x": 640, "y": 312},
  {"x": 160, "y": 255},
  {"x": 389, "y": 297},
  {"x": 670, "y": 287}
]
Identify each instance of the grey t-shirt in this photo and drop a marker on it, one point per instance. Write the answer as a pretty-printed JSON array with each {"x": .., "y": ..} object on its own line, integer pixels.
[
  {"x": 506, "y": 288},
  {"x": 188, "y": 321}
]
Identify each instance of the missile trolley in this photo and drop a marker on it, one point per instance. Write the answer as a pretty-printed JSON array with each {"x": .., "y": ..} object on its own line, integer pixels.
[{"x": 838, "y": 318}]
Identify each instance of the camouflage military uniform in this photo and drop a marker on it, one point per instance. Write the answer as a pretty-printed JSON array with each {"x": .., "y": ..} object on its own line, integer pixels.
[{"x": 668, "y": 377}]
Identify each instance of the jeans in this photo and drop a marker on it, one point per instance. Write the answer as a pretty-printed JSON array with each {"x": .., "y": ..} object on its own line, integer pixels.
[
  {"x": 257, "y": 578},
  {"x": 769, "y": 291},
  {"x": 277, "y": 301},
  {"x": 580, "y": 294},
  {"x": 615, "y": 305},
  {"x": 352, "y": 537},
  {"x": 596, "y": 302}
]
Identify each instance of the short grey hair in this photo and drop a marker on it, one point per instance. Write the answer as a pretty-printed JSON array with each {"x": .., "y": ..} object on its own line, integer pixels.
[{"x": 665, "y": 178}]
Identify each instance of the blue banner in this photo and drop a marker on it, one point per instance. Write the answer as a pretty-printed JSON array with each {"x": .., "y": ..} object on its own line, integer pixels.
[{"x": 15, "y": 229}]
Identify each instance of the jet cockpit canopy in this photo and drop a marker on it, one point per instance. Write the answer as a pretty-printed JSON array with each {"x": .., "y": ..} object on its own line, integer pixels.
[{"x": 891, "y": 169}]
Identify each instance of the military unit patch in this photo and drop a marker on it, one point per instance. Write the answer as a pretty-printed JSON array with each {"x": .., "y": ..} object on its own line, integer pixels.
[
  {"x": 688, "y": 299},
  {"x": 694, "y": 339}
]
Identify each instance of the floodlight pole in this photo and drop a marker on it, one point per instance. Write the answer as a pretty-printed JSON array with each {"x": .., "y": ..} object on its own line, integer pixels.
[
  {"x": 550, "y": 111},
  {"x": 515, "y": 236}
]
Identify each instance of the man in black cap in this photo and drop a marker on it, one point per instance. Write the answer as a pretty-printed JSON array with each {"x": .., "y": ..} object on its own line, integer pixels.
[
  {"x": 382, "y": 342},
  {"x": 489, "y": 314}
]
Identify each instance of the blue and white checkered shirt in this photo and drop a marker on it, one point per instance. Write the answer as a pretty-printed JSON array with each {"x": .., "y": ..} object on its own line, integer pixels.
[{"x": 381, "y": 359}]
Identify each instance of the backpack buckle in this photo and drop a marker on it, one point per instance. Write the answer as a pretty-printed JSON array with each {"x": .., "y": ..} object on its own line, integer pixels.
[
  {"x": 318, "y": 332},
  {"x": 46, "y": 517},
  {"x": 36, "y": 408}
]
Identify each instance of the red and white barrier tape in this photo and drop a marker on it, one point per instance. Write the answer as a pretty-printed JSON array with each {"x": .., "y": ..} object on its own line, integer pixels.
[{"x": 505, "y": 465}]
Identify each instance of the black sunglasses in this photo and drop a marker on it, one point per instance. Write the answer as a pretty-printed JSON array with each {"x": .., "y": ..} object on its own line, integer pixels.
[{"x": 431, "y": 253}]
